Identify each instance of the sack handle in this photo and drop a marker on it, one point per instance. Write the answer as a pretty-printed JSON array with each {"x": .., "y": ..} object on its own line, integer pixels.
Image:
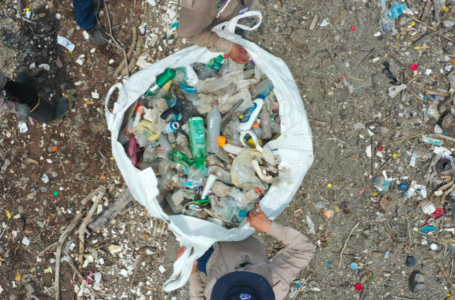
[
  {"x": 233, "y": 23},
  {"x": 183, "y": 267},
  {"x": 122, "y": 98},
  {"x": 253, "y": 136}
]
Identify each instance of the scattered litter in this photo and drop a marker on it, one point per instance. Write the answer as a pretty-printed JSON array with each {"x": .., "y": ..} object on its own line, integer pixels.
[
  {"x": 26, "y": 241},
  {"x": 23, "y": 128},
  {"x": 65, "y": 43}
]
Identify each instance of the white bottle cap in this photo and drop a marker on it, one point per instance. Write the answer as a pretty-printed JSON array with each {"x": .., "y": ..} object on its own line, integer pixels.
[{"x": 434, "y": 247}]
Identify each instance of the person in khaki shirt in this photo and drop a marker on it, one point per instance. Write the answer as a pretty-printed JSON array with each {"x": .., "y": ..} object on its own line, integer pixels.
[
  {"x": 242, "y": 271},
  {"x": 198, "y": 17}
]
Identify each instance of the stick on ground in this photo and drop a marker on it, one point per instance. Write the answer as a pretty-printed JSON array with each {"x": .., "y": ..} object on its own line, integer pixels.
[
  {"x": 58, "y": 255},
  {"x": 99, "y": 192},
  {"x": 346, "y": 243}
]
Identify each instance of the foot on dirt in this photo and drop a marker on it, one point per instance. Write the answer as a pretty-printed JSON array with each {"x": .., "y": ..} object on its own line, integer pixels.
[
  {"x": 98, "y": 35},
  {"x": 63, "y": 107}
]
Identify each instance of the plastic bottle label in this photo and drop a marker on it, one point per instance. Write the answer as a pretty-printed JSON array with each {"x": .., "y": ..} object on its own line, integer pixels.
[{"x": 248, "y": 113}]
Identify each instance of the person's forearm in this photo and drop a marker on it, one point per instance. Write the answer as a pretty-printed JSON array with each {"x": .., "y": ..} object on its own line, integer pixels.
[
  {"x": 212, "y": 41},
  {"x": 292, "y": 238},
  {"x": 196, "y": 287}
]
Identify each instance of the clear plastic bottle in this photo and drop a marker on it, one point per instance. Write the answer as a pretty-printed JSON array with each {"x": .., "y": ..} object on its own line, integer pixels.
[
  {"x": 179, "y": 76},
  {"x": 213, "y": 128},
  {"x": 165, "y": 180},
  {"x": 262, "y": 88},
  {"x": 257, "y": 130},
  {"x": 182, "y": 142},
  {"x": 167, "y": 147},
  {"x": 264, "y": 115},
  {"x": 210, "y": 69},
  {"x": 195, "y": 178},
  {"x": 235, "y": 133},
  {"x": 162, "y": 94},
  {"x": 221, "y": 190},
  {"x": 166, "y": 165},
  {"x": 225, "y": 67},
  {"x": 269, "y": 101}
]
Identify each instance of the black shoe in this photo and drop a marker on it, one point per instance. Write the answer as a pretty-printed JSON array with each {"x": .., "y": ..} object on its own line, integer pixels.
[
  {"x": 98, "y": 35},
  {"x": 47, "y": 113},
  {"x": 23, "y": 75}
]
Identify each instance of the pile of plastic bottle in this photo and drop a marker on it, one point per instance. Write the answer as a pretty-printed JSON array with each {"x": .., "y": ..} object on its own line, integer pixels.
[{"x": 207, "y": 131}]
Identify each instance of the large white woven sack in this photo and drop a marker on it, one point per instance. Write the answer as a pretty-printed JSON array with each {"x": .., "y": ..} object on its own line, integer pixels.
[{"x": 295, "y": 147}]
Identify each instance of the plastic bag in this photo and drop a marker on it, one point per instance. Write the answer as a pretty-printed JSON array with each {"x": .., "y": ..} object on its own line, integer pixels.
[
  {"x": 243, "y": 173},
  {"x": 294, "y": 146}
]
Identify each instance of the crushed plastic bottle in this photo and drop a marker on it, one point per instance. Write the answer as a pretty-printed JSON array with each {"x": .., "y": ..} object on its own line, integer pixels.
[
  {"x": 396, "y": 10},
  {"x": 213, "y": 128},
  {"x": 182, "y": 142},
  {"x": 210, "y": 68},
  {"x": 234, "y": 138},
  {"x": 263, "y": 88},
  {"x": 265, "y": 124}
]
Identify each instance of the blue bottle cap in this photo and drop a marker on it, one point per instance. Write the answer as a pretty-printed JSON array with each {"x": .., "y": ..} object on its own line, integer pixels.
[
  {"x": 354, "y": 266},
  {"x": 329, "y": 263}
]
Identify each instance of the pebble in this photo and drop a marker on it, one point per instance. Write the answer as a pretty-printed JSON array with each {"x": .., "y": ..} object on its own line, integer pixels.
[
  {"x": 43, "y": 189},
  {"x": 363, "y": 279},
  {"x": 377, "y": 254},
  {"x": 20, "y": 209},
  {"x": 417, "y": 282},
  {"x": 410, "y": 261}
]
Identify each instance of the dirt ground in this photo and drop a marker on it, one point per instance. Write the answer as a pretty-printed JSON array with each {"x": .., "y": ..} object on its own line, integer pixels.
[{"x": 345, "y": 43}]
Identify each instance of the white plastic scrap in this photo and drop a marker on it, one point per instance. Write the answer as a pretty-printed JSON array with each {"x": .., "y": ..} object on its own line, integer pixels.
[
  {"x": 86, "y": 35},
  {"x": 1, "y": 290},
  {"x": 124, "y": 273},
  {"x": 162, "y": 269},
  {"x": 395, "y": 90},
  {"x": 97, "y": 285},
  {"x": 310, "y": 225},
  {"x": 45, "y": 178},
  {"x": 324, "y": 23},
  {"x": 23, "y": 128},
  {"x": 26, "y": 241},
  {"x": 45, "y": 67}
]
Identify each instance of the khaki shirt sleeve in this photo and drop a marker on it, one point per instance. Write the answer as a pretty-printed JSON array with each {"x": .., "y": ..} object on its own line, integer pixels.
[
  {"x": 194, "y": 27},
  {"x": 196, "y": 287},
  {"x": 297, "y": 254}
]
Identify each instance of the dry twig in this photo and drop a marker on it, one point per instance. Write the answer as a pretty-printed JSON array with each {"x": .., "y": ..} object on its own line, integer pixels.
[
  {"x": 100, "y": 191},
  {"x": 346, "y": 243},
  {"x": 58, "y": 255}
]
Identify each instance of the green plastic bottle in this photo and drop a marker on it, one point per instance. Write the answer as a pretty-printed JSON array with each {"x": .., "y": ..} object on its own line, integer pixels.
[
  {"x": 197, "y": 140},
  {"x": 161, "y": 81}
]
